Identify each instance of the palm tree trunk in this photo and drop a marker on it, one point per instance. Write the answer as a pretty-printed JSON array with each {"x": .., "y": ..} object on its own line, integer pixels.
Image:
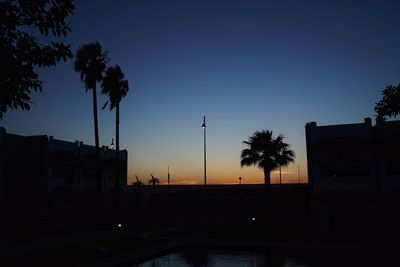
[
  {"x": 96, "y": 138},
  {"x": 267, "y": 178},
  {"x": 280, "y": 175},
  {"x": 117, "y": 146}
]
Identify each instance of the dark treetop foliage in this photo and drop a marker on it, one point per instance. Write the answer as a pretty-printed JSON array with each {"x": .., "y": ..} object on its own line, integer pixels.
[
  {"x": 21, "y": 52},
  {"x": 266, "y": 152},
  {"x": 114, "y": 86},
  {"x": 390, "y": 103},
  {"x": 90, "y": 61}
]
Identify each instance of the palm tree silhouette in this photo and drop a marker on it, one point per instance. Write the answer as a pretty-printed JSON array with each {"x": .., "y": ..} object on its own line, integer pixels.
[
  {"x": 116, "y": 88},
  {"x": 90, "y": 61},
  {"x": 266, "y": 152},
  {"x": 138, "y": 182},
  {"x": 153, "y": 180}
]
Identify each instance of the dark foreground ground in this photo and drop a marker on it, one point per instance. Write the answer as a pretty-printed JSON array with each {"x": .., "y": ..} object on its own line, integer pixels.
[
  {"x": 334, "y": 229},
  {"x": 127, "y": 248}
]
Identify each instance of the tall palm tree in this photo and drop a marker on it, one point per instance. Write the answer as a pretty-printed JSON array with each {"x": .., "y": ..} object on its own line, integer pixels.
[
  {"x": 116, "y": 88},
  {"x": 266, "y": 152},
  {"x": 90, "y": 61},
  {"x": 153, "y": 180}
]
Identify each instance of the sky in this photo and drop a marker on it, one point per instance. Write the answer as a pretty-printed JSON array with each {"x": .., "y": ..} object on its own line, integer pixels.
[{"x": 245, "y": 65}]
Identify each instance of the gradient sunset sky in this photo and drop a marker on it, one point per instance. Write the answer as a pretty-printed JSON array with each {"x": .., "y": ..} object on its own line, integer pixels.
[{"x": 245, "y": 65}]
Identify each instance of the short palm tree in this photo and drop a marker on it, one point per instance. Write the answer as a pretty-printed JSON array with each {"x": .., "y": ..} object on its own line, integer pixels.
[
  {"x": 153, "y": 180},
  {"x": 138, "y": 182},
  {"x": 266, "y": 152},
  {"x": 90, "y": 61},
  {"x": 116, "y": 88}
]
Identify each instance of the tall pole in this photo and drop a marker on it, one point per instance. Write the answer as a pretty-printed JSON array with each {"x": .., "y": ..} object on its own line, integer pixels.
[
  {"x": 298, "y": 171},
  {"x": 168, "y": 176},
  {"x": 205, "y": 157}
]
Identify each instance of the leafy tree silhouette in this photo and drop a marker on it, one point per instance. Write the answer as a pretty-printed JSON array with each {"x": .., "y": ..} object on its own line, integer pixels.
[
  {"x": 21, "y": 52},
  {"x": 90, "y": 61},
  {"x": 389, "y": 105},
  {"x": 116, "y": 88},
  {"x": 266, "y": 152}
]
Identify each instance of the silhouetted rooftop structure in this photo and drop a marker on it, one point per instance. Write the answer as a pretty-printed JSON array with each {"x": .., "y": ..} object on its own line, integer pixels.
[
  {"x": 45, "y": 163},
  {"x": 359, "y": 156}
]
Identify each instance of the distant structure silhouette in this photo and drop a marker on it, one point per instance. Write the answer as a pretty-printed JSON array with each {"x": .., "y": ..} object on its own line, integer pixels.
[
  {"x": 169, "y": 176},
  {"x": 53, "y": 164},
  {"x": 298, "y": 172},
  {"x": 359, "y": 156}
]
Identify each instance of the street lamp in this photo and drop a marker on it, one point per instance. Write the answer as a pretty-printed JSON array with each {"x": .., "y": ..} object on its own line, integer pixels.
[
  {"x": 112, "y": 143},
  {"x": 205, "y": 161}
]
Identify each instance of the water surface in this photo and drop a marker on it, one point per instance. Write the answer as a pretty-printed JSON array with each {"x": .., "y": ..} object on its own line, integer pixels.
[{"x": 214, "y": 258}]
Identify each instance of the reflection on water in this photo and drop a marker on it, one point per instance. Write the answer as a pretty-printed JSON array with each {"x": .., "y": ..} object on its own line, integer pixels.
[{"x": 197, "y": 257}]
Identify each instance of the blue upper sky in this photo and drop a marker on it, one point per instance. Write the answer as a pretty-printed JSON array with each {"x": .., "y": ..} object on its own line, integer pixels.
[{"x": 246, "y": 65}]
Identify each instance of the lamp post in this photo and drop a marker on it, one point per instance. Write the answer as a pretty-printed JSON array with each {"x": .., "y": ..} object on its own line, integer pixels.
[
  {"x": 112, "y": 143},
  {"x": 205, "y": 159}
]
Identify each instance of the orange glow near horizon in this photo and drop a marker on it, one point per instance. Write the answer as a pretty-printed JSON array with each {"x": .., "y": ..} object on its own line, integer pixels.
[
  {"x": 223, "y": 165},
  {"x": 250, "y": 175}
]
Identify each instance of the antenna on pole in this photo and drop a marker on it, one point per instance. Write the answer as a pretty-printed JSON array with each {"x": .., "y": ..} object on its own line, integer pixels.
[
  {"x": 168, "y": 176},
  {"x": 298, "y": 171}
]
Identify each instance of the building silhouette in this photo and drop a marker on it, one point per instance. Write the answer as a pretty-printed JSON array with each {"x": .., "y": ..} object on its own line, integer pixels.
[
  {"x": 359, "y": 157},
  {"x": 40, "y": 164}
]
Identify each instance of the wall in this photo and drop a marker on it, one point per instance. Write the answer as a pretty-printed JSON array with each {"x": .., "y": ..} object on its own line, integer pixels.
[
  {"x": 354, "y": 157},
  {"x": 82, "y": 164}
]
